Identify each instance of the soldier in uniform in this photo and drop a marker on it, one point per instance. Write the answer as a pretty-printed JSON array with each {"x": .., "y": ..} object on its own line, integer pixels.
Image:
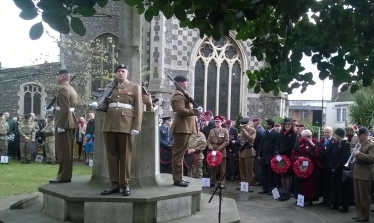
[
  {"x": 27, "y": 133},
  {"x": 183, "y": 126},
  {"x": 123, "y": 119},
  {"x": 49, "y": 143},
  {"x": 218, "y": 140},
  {"x": 196, "y": 144},
  {"x": 246, "y": 156},
  {"x": 166, "y": 141},
  {"x": 4, "y": 128},
  {"x": 362, "y": 175},
  {"x": 66, "y": 124},
  {"x": 147, "y": 100}
]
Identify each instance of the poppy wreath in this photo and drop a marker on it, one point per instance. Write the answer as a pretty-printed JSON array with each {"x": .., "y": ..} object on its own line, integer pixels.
[
  {"x": 303, "y": 171},
  {"x": 214, "y": 161},
  {"x": 188, "y": 158},
  {"x": 281, "y": 166}
]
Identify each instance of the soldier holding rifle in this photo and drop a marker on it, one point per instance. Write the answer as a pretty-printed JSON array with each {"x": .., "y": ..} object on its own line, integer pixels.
[{"x": 183, "y": 126}]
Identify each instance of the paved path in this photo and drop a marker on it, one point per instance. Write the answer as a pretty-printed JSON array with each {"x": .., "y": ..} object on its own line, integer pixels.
[{"x": 252, "y": 207}]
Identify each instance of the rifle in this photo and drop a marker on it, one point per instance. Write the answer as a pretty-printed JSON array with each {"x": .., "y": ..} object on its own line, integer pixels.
[
  {"x": 244, "y": 146},
  {"x": 147, "y": 93},
  {"x": 107, "y": 93},
  {"x": 179, "y": 88},
  {"x": 53, "y": 101}
]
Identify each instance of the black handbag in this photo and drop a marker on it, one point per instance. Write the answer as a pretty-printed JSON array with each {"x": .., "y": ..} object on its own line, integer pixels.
[{"x": 347, "y": 175}]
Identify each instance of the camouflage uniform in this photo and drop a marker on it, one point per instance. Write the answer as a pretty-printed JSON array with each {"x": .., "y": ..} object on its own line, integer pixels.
[
  {"x": 4, "y": 127},
  {"x": 26, "y": 129},
  {"x": 197, "y": 142},
  {"x": 49, "y": 143}
]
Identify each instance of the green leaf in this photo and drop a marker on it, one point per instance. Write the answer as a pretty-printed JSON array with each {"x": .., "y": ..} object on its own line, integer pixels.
[
  {"x": 272, "y": 86},
  {"x": 168, "y": 11},
  {"x": 102, "y": 3},
  {"x": 186, "y": 4},
  {"x": 85, "y": 11},
  {"x": 344, "y": 87},
  {"x": 323, "y": 74},
  {"x": 296, "y": 55},
  {"x": 180, "y": 13},
  {"x": 276, "y": 92},
  {"x": 354, "y": 88},
  {"x": 36, "y": 31},
  {"x": 148, "y": 15},
  {"x": 316, "y": 58},
  {"x": 140, "y": 9},
  {"x": 28, "y": 14},
  {"x": 132, "y": 2},
  {"x": 77, "y": 26},
  {"x": 24, "y": 4},
  {"x": 257, "y": 88}
]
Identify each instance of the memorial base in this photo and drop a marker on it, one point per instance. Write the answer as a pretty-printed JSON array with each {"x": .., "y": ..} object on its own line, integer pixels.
[{"x": 80, "y": 201}]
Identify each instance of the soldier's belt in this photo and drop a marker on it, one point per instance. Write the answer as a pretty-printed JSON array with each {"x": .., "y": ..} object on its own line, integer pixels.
[
  {"x": 58, "y": 109},
  {"x": 120, "y": 105}
]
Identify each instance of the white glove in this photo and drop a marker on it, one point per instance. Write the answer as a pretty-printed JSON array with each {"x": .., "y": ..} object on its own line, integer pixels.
[
  {"x": 60, "y": 130},
  {"x": 48, "y": 110},
  {"x": 134, "y": 132},
  {"x": 94, "y": 105},
  {"x": 200, "y": 109}
]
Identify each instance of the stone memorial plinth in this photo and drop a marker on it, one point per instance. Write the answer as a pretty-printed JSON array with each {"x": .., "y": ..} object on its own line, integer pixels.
[{"x": 153, "y": 197}]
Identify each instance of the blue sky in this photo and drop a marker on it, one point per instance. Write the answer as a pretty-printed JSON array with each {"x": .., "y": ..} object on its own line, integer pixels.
[{"x": 17, "y": 49}]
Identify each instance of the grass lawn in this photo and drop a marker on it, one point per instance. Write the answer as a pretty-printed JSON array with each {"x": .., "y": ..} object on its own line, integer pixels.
[{"x": 17, "y": 178}]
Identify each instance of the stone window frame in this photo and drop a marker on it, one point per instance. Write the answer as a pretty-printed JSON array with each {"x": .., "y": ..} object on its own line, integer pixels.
[
  {"x": 244, "y": 66},
  {"x": 21, "y": 95},
  {"x": 101, "y": 36}
]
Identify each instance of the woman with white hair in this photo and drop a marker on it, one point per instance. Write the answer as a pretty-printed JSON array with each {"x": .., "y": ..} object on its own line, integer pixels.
[{"x": 309, "y": 187}]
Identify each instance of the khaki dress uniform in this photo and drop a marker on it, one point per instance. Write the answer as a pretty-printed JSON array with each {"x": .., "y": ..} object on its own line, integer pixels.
[
  {"x": 197, "y": 142},
  {"x": 26, "y": 130},
  {"x": 362, "y": 176},
  {"x": 183, "y": 126},
  {"x": 4, "y": 128},
  {"x": 147, "y": 101},
  {"x": 124, "y": 112},
  {"x": 65, "y": 119},
  {"x": 49, "y": 142},
  {"x": 218, "y": 139},
  {"x": 247, "y": 155}
]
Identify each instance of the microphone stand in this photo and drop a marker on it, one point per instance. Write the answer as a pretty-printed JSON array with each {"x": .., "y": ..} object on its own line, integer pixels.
[{"x": 220, "y": 186}]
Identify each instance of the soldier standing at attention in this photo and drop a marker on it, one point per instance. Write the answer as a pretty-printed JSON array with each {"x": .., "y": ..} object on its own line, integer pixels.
[
  {"x": 27, "y": 133},
  {"x": 123, "y": 119},
  {"x": 218, "y": 140},
  {"x": 147, "y": 100},
  {"x": 183, "y": 126},
  {"x": 49, "y": 143},
  {"x": 66, "y": 124},
  {"x": 4, "y": 128}
]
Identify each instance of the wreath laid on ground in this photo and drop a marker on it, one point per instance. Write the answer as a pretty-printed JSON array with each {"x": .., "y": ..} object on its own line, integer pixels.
[
  {"x": 214, "y": 161},
  {"x": 280, "y": 166},
  {"x": 301, "y": 170}
]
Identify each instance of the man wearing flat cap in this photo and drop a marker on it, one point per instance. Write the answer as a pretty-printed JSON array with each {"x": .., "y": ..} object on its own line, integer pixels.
[
  {"x": 122, "y": 121},
  {"x": 65, "y": 125},
  {"x": 166, "y": 141},
  {"x": 256, "y": 145},
  {"x": 362, "y": 175},
  {"x": 218, "y": 140},
  {"x": 183, "y": 126}
]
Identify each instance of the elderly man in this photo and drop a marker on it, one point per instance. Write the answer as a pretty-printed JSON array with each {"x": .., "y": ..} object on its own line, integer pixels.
[
  {"x": 362, "y": 175},
  {"x": 326, "y": 143}
]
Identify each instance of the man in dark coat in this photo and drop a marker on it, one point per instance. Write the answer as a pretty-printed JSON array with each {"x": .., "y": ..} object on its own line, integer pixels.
[
  {"x": 324, "y": 156},
  {"x": 257, "y": 143},
  {"x": 231, "y": 151},
  {"x": 265, "y": 154},
  {"x": 90, "y": 129}
]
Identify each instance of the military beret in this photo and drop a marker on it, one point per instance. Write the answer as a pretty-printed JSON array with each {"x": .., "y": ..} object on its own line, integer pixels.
[
  {"x": 121, "y": 66},
  {"x": 294, "y": 120},
  {"x": 63, "y": 71},
  {"x": 219, "y": 118},
  {"x": 300, "y": 125},
  {"x": 277, "y": 125},
  {"x": 26, "y": 116},
  {"x": 363, "y": 130},
  {"x": 244, "y": 120},
  {"x": 228, "y": 122},
  {"x": 180, "y": 78},
  {"x": 255, "y": 120},
  {"x": 166, "y": 118}
]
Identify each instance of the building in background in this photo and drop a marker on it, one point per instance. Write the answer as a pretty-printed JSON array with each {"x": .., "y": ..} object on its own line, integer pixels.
[
  {"x": 337, "y": 108},
  {"x": 302, "y": 110}
]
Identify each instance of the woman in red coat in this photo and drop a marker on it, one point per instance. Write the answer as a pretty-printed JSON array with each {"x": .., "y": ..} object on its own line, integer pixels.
[{"x": 308, "y": 187}]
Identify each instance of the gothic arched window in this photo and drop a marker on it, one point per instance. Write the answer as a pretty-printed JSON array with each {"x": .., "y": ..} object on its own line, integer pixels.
[
  {"x": 218, "y": 72},
  {"x": 32, "y": 98},
  {"x": 104, "y": 59}
]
